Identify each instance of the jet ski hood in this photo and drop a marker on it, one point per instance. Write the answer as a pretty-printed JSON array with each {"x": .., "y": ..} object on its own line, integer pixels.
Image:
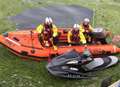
[
  {"x": 58, "y": 66},
  {"x": 64, "y": 58}
]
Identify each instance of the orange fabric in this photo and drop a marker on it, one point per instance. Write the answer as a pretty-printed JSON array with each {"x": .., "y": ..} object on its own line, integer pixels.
[{"x": 25, "y": 45}]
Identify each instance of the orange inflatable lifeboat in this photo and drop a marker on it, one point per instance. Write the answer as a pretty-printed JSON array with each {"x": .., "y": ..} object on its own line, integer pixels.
[{"x": 26, "y": 44}]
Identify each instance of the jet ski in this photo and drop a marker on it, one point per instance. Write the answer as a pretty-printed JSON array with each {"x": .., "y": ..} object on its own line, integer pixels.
[
  {"x": 73, "y": 65},
  {"x": 26, "y": 44},
  {"x": 115, "y": 84}
]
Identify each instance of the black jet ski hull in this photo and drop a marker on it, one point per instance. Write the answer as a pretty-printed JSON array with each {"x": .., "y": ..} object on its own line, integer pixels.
[{"x": 67, "y": 65}]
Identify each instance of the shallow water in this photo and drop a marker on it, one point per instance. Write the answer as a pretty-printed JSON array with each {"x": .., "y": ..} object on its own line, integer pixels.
[{"x": 63, "y": 16}]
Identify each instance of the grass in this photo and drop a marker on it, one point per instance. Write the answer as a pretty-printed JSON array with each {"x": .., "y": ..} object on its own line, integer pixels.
[{"x": 15, "y": 72}]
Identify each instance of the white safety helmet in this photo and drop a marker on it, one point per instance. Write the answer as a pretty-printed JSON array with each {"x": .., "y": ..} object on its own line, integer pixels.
[
  {"x": 50, "y": 20},
  {"x": 76, "y": 26},
  {"x": 86, "y": 20},
  {"x": 46, "y": 20}
]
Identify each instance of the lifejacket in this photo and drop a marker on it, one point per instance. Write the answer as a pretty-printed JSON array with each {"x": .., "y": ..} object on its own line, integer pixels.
[
  {"x": 47, "y": 35},
  {"x": 75, "y": 37},
  {"x": 48, "y": 29},
  {"x": 48, "y": 26}
]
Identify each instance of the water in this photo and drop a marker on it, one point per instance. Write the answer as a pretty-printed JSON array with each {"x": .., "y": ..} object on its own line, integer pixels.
[{"x": 63, "y": 16}]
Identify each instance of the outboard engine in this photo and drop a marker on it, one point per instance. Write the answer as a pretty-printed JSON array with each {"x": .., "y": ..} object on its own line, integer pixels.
[
  {"x": 72, "y": 65},
  {"x": 99, "y": 35}
]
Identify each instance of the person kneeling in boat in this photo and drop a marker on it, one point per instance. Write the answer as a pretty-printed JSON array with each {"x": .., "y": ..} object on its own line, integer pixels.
[
  {"x": 48, "y": 31},
  {"x": 87, "y": 29},
  {"x": 75, "y": 36}
]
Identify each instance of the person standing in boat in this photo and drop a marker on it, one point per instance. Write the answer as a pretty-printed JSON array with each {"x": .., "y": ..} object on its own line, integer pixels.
[
  {"x": 75, "y": 36},
  {"x": 48, "y": 32},
  {"x": 87, "y": 29}
]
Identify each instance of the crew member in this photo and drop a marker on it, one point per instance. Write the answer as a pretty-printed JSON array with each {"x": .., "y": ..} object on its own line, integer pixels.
[
  {"x": 75, "y": 36},
  {"x": 48, "y": 31},
  {"x": 87, "y": 29}
]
